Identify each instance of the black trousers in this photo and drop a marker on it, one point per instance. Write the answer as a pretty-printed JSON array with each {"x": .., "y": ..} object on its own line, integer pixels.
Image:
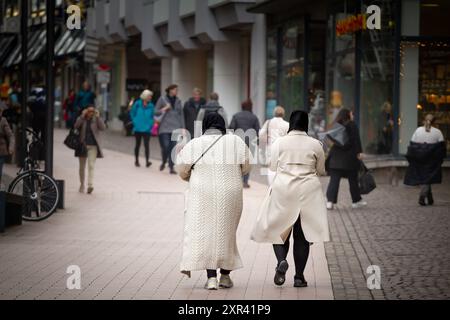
[
  {"x": 301, "y": 249},
  {"x": 139, "y": 137},
  {"x": 167, "y": 145},
  {"x": 213, "y": 273},
  {"x": 335, "y": 179}
]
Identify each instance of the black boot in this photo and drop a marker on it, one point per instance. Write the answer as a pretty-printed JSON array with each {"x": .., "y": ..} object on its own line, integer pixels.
[
  {"x": 280, "y": 273},
  {"x": 300, "y": 282},
  {"x": 422, "y": 201},
  {"x": 430, "y": 199}
]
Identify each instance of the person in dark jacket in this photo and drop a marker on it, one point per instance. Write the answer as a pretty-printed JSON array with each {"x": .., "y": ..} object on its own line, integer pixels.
[
  {"x": 213, "y": 105},
  {"x": 426, "y": 153},
  {"x": 247, "y": 121},
  {"x": 6, "y": 140},
  {"x": 191, "y": 109},
  {"x": 344, "y": 161}
]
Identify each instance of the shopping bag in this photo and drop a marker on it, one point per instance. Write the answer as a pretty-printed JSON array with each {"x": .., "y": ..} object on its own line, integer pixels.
[{"x": 366, "y": 180}]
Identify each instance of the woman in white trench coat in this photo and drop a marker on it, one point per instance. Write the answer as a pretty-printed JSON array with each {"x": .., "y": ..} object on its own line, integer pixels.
[
  {"x": 295, "y": 200},
  {"x": 214, "y": 165}
]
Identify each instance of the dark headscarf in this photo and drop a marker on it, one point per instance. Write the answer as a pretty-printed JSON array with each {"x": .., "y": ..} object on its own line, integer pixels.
[
  {"x": 299, "y": 121},
  {"x": 212, "y": 121}
]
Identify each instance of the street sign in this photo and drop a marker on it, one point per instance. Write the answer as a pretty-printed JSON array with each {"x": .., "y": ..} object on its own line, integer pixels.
[{"x": 103, "y": 77}]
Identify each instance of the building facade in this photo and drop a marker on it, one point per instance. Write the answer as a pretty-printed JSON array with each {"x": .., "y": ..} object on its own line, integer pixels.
[
  {"x": 323, "y": 55},
  {"x": 213, "y": 45},
  {"x": 70, "y": 66}
]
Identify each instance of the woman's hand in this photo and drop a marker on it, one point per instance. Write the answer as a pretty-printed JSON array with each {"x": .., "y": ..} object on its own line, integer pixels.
[{"x": 360, "y": 156}]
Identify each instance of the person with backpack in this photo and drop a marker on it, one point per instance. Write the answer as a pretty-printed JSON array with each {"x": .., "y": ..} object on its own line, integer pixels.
[
  {"x": 214, "y": 106},
  {"x": 142, "y": 114}
]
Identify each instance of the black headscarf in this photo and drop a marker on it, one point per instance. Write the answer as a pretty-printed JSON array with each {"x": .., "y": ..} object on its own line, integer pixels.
[
  {"x": 299, "y": 121},
  {"x": 212, "y": 121}
]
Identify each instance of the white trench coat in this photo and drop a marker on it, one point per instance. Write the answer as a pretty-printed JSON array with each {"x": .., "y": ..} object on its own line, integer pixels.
[
  {"x": 213, "y": 202},
  {"x": 298, "y": 160}
]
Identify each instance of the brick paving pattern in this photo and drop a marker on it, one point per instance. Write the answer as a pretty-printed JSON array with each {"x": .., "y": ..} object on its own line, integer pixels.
[
  {"x": 411, "y": 245},
  {"x": 126, "y": 238}
]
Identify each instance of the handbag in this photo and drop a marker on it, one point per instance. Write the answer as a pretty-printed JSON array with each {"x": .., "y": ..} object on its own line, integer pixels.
[
  {"x": 72, "y": 140},
  {"x": 366, "y": 180},
  {"x": 203, "y": 154}
]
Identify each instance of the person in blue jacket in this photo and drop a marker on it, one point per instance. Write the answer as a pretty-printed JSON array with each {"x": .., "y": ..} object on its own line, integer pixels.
[{"x": 142, "y": 114}]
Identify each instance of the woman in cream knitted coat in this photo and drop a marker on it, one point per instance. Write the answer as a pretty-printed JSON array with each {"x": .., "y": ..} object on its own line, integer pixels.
[{"x": 214, "y": 201}]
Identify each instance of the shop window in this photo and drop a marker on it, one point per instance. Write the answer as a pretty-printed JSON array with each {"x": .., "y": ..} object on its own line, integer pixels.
[
  {"x": 434, "y": 86},
  {"x": 434, "y": 19},
  {"x": 272, "y": 63},
  {"x": 340, "y": 61},
  {"x": 377, "y": 76},
  {"x": 292, "y": 74}
]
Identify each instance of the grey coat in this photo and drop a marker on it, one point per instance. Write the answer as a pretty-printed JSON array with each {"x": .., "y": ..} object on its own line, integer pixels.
[
  {"x": 172, "y": 119},
  {"x": 97, "y": 125},
  {"x": 6, "y": 138}
]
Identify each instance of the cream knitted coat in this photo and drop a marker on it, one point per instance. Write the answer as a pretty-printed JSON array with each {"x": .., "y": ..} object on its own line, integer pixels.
[{"x": 213, "y": 202}]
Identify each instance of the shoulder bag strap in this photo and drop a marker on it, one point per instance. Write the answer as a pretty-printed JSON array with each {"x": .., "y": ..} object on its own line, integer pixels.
[{"x": 203, "y": 154}]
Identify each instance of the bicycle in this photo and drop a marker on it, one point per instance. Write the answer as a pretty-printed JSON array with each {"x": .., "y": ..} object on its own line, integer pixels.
[{"x": 40, "y": 191}]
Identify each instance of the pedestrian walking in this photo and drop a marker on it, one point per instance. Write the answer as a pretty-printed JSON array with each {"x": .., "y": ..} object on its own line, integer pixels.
[
  {"x": 214, "y": 201},
  {"x": 294, "y": 203},
  {"x": 85, "y": 97},
  {"x": 272, "y": 130},
  {"x": 142, "y": 114},
  {"x": 249, "y": 124},
  {"x": 169, "y": 111},
  {"x": 69, "y": 109},
  {"x": 191, "y": 110},
  {"x": 425, "y": 155},
  {"x": 213, "y": 105},
  {"x": 90, "y": 125},
  {"x": 344, "y": 161},
  {"x": 6, "y": 140}
]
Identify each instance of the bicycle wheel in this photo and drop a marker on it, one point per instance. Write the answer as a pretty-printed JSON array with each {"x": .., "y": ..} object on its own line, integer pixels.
[{"x": 40, "y": 193}]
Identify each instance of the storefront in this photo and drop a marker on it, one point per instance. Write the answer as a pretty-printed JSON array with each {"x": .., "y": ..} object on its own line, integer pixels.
[{"x": 329, "y": 55}]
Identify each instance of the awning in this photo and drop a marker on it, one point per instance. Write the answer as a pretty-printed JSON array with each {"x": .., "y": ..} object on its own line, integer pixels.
[
  {"x": 71, "y": 41},
  {"x": 6, "y": 45},
  {"x": 275, "y": 6},
  {"x": 36, "y": 46}
]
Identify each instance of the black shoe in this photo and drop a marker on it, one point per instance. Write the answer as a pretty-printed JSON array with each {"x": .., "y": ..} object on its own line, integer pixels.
[
  {"x": 172, "y": 171},
  {"x": 148, "y": 165},
  {"x": 280, "y": 273},
  {"x": 162, "y": 167},
  {"x": 422, "y": 201},
  {"x": 300, "y": 282},
  {"x": 430, "y": 199},
  {"x": 137, "y": 164}
]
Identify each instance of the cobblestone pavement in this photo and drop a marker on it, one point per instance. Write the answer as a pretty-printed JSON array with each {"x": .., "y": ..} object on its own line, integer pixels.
[
  {"x": 126, "y": 238},
  {"x": 411, "y": 245}
]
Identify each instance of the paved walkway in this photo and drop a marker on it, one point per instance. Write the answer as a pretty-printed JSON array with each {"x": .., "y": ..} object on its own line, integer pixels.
[{"x": 126, "y": 239}]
